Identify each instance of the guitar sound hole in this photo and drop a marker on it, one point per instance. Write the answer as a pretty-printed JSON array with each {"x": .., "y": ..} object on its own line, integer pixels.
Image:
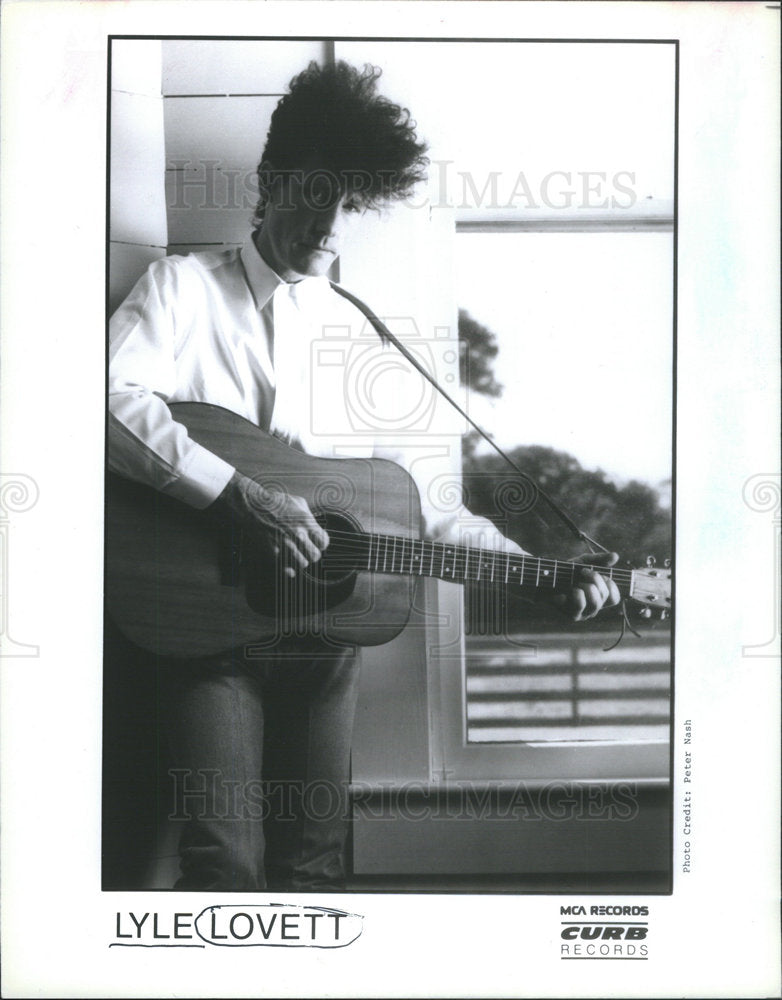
[
  {"x": 339, "y": 562},
  {"x": 320, "y": 587}
]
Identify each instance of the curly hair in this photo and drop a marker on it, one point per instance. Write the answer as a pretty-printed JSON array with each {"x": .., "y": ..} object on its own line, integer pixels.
[{"x": 333, "y": 117}]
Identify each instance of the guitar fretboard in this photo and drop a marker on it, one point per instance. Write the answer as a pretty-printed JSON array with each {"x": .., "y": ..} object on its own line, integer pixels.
[{"x": 462, "y": 563}]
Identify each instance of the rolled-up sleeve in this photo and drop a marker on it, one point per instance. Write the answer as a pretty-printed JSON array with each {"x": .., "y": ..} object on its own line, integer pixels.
[{"x": 145, "y": 442}]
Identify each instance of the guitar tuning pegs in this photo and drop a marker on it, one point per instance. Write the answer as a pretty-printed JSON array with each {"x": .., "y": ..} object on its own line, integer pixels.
[
  {"x": 663, "y": 615},
  {"x": 651, "y": 561},
  {"x": 667, "y": 563},
  {"x": 645, "y": 612}
]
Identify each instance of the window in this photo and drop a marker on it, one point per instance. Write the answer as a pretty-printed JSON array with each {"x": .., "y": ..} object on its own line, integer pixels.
[{"x": 582, "y": 322}]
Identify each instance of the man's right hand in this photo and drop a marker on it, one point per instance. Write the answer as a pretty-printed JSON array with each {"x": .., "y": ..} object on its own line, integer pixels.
[{"x": 281, "y": 523}]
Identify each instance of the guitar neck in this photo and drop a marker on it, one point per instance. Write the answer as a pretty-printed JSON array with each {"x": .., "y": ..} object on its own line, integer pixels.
[{"x": 464, "y": 563}]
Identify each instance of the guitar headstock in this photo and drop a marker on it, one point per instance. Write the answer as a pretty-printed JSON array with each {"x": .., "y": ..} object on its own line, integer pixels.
[{"x": 652, "y": 588}]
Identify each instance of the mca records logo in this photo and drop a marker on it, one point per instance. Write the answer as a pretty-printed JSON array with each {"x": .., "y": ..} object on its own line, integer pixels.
[{"x": 604, "y": 933}]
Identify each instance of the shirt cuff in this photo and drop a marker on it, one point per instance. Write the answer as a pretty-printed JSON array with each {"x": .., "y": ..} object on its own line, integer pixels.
[{"x": 202, "y": 480}]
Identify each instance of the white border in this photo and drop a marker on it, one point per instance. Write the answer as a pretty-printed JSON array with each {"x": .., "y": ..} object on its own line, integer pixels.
[{"x": 718, "y": 934}]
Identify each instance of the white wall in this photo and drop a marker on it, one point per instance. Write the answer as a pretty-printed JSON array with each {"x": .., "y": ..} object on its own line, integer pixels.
[{"x": 137, "y": 226}]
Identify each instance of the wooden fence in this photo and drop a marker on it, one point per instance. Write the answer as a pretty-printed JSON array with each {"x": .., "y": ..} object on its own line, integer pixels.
[{"x": 557, "y": 686}]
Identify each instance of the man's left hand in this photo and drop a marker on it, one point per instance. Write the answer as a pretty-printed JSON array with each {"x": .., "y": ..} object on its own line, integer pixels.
[{"x": 592, "y": 591}]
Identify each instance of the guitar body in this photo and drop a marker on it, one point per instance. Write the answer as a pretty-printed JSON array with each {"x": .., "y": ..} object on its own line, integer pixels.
[{"x": 181, "y": 583}]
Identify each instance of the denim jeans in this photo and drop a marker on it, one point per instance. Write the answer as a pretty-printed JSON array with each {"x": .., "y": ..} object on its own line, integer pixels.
[
  {"x": 256, "y": 755},
  {"x": 259, "y": 753}
]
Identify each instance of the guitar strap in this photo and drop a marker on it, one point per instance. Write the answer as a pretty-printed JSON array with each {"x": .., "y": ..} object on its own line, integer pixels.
[{"x": 387, "y": 337}]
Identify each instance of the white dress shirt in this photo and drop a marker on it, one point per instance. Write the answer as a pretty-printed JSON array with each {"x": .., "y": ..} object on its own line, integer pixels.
[{"x": 221, "y": 327}]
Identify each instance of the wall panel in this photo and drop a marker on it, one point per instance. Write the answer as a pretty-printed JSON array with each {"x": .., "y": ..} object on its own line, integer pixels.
[
  {"x": 228, "y": 131},
  {"x": 135, "y": 66},
  {"x": 198, "y": 66},
  {"x": 209, "y": 206},
  {"x": 137, "y": 209},
  {"x": 138, "y": 212}
]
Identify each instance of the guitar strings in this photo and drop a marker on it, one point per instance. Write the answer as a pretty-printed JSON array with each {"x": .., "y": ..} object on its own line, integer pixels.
[
  {"x": 528, "y": 563},
  {"x": 360, "y": 545}
]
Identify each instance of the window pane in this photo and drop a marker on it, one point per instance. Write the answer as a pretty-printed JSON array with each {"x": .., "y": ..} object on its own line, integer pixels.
[
  {"x": 514, "y": 126},
  {"x": 583, "y": 326}
]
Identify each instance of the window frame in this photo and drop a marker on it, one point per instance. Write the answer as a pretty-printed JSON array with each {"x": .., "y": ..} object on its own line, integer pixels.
[{"x": 585, "y": 761}]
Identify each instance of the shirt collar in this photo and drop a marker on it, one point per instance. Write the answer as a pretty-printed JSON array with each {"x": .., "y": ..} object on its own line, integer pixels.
[{"x": 264, "y": 282}]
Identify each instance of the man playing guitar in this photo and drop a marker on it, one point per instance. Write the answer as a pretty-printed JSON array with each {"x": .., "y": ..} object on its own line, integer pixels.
[{"x": 234, "y": 329}]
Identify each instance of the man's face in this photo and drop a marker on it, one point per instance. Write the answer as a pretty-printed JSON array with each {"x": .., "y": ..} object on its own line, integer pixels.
[{"x": 307, "y": 217}]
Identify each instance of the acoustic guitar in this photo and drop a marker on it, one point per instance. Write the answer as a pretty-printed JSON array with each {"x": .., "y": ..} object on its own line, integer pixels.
[{"x": 182, "y": 582}]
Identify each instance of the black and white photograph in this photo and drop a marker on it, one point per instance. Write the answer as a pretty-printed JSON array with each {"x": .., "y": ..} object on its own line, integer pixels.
[
  {"x": 379, "y": 654},
  {"x": 413, "y": 443}
]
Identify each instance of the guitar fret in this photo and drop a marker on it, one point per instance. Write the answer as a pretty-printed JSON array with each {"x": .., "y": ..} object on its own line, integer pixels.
[{"x": 390, "y": 554}]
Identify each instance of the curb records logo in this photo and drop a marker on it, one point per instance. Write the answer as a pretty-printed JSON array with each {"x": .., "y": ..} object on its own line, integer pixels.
[
  {"x": 276, "y": 925},
  {"x": 604, "y": 933}
]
